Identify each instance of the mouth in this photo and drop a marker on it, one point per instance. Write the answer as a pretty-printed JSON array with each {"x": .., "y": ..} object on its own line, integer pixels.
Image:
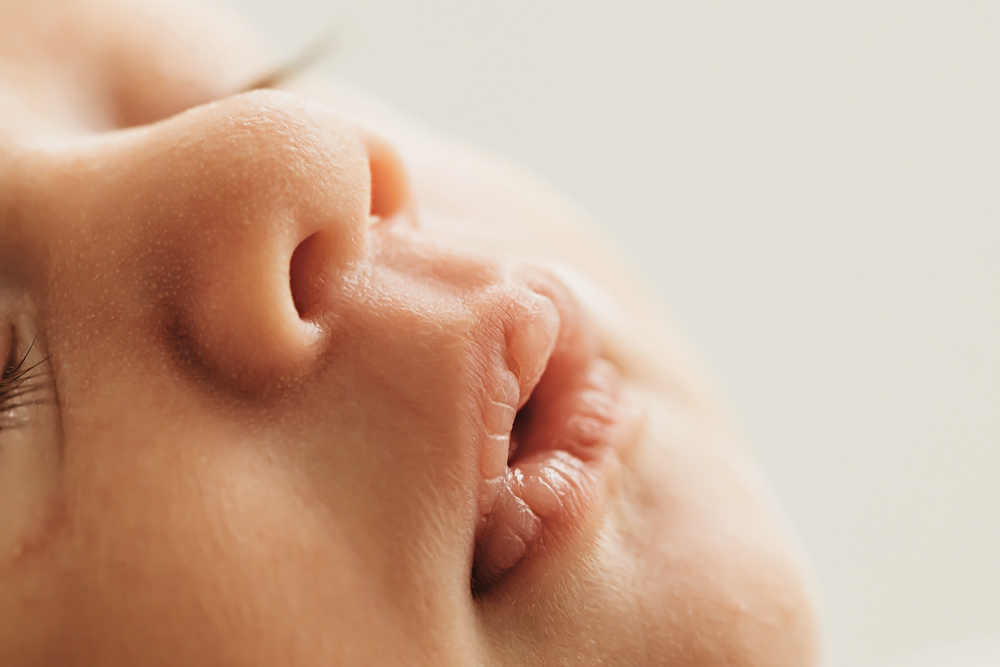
[{"x": 555, "y": 418}]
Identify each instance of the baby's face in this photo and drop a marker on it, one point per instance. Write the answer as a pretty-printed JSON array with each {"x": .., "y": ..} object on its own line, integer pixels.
[{"x": 274, "y": 394}]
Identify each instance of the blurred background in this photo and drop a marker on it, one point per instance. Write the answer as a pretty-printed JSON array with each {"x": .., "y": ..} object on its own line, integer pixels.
[{"x": 813, "y": 189}]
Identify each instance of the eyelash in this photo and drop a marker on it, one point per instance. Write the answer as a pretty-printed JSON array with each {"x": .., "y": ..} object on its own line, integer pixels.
[{"x": 13, "y": 392}]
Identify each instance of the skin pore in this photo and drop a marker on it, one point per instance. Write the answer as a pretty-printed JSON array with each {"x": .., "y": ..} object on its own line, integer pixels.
[{"x": 311, "y": 386}]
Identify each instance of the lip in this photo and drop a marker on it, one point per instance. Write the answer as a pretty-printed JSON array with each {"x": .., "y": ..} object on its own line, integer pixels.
[{"x": 556, "y": 417}]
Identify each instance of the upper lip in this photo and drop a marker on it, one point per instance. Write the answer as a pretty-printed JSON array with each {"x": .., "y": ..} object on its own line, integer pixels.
[{"x": 532, "y": 335}]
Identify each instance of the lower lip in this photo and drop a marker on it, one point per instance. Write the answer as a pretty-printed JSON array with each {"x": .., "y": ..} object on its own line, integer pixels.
[{"x": 564, "y": 452}]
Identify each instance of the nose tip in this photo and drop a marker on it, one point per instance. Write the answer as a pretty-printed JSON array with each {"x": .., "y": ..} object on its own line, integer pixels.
[{"x": 262, "y": 198}]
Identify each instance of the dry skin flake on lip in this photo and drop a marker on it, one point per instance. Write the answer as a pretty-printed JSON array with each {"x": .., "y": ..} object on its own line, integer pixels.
[{"x": 499, "y": 420}]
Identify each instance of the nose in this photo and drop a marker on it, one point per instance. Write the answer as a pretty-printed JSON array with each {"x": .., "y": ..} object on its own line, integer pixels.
[{"x": 246, "y": 208}]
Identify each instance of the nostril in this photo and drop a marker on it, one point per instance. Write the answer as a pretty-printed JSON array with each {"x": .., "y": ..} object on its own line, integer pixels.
[
  {"x": 388, "y": 180},
  {"x": 306, "y": 273}
]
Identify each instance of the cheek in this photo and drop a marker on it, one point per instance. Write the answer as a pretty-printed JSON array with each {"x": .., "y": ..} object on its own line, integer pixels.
[
  {"x": 212, "y": 538},
  {"x": 208, "y": 555}
]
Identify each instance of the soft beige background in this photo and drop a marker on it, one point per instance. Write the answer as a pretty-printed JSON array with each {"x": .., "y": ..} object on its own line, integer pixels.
[{"x": 814, "y": 190}]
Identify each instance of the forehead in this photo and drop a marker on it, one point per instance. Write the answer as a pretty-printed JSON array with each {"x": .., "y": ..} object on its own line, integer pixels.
[{"x": 109, "y": 64}]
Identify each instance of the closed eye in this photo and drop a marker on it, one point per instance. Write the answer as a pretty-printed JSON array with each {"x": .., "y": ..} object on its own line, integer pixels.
[{"x": 21, "y": 385}]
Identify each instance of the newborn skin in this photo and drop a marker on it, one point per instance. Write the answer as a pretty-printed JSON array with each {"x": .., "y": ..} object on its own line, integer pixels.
[{"x": 288, "y": 381}]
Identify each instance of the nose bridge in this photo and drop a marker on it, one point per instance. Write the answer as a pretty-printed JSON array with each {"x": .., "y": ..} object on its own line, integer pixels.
[{"x": 225, "y": 196}]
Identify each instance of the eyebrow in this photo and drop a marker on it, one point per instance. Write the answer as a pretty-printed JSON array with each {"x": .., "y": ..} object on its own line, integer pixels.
[{"x": 312, "y": 54}]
